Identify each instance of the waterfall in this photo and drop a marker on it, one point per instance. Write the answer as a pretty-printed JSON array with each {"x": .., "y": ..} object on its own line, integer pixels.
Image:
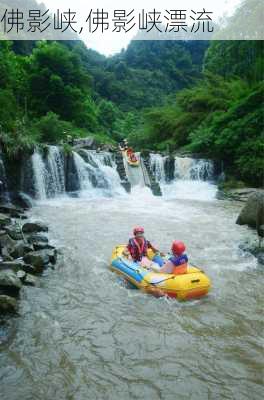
[
  {"x": 189, "y": 178},
  {"x": 187, "y": 168},
  {"x": 55, "y": 175},
  {"x": 97, "y": 173},
  {"x": 157, "y": 166},
  {"x": 39, "y": 172},
  {"x": 3, "y": 178},
  {"x": 83, "y": 172}
]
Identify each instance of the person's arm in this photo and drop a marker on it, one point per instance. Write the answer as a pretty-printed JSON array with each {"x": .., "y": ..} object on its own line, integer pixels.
[
  {"x": 155, "y": 250},
  {"x": 128, "y": 251}
]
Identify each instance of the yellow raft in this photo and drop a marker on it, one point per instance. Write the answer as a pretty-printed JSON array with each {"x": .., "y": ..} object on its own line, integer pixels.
[
  {"x": 133, "y": 163},
  {"x": 193, "y": 284}
]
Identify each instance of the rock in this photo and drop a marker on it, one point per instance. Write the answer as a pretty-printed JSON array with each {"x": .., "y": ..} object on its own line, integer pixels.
[
  {"x": 37, "y": 259},
  {"x": 13, "y": 211},
  {"x": 29, "y": 269},
  {"x": 4, "y": 220},
  {"x": 14, "y": 266},
  {"x": 20, "y": 249},
  {"x": 37, "y": 238},
  {"x": 31, "y": 227},
  {"x": 14, "y": 232},
  {"x": 9, "y": 281},
  {"x": 30, "y": 280},
  {"x": 260, "y": 258},
  {"x": 53, "y": 255},
  {"x": 21, "y": 200},
  {"x": 43, "y": 246},
  {"x": 155, "y": 188},
  {"x": 7, "y": 242},
  {"x": 127, "y": 186},
  {"x": 21, "y": 275},
  {"x": 7, "y": 304},
  {"x": 248, "y": 214}
]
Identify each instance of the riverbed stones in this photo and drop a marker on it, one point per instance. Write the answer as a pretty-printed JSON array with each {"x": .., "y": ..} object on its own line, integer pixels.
[
  {"x": 20, "y": 249},
  {"x": 38, "y": 259},
  {"x": 14, "y": 212},
  {"x": 21, "y": 275},
  {"x": 14, "y": 266},
  {"x": 4, "y": 220},
  {"x": 9, "y": 281},
  {"x": 30, "y": 280},
  {"x": 248, "y": 214},
  {"x": 37, "y": 238},
  {"x": 34, "y": 227},
  {"x": 14, "y": 232},
  {"x": 7, "y": 303}
]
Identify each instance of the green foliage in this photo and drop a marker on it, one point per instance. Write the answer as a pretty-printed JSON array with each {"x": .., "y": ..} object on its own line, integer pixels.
[{"x": 18, "y": 140}]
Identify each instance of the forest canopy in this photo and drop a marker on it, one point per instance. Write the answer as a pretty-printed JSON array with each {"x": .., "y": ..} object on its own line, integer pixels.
[{"x": 169, "y": 96}]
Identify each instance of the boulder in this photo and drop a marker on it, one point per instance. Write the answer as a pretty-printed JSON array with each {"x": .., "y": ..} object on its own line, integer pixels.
[
  {"x": 37, "y": 238},
  {"x": 20, "y": 249},
  {"x": 34, "y": 227},
  {"x": 10, "y": 209},
  {"x": 38, "y": 259},
  {"x": 43, "y": 246},
  {"x": 4, "y": 220},
  {"x": 29, "y": 269},
  {"x": 9, "y": 281},
  {"x": 7, "y": 304},
  {"x": 12, "y": 265},
  {"x": 53, "y": 255},
  {"x": 21, "y": 275},
  {"x": 30, "y": 280},
  {"x": 260, "y": 258},
  {"x": 14, "y": 232},
  {"x": 249, "y": 213}
]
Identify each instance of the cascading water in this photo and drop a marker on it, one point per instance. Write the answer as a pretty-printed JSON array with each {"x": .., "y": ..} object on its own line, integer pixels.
[
  {"x": 39, "y": 173},
  {"x": 55, "y": 175},
  {"x": 3, "y": 179},
  {"x": 192, "y": 177},
  {"x": 193, "y": 169},
  {"x": 97, "y": 173},
  {"x": 157, "y": 167},
  {"x": 107, "y": 167},
  {"x": 83, "y": 172}
]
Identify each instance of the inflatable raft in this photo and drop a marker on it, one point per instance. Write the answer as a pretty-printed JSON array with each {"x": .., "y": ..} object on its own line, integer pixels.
[
  {"x": 191, "y": 285},
  {"x": 131, "y": 158}
]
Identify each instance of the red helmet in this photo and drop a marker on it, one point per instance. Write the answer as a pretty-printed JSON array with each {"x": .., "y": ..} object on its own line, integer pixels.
[
  {"x": 138, "y": 229},
  {"x": 178, "y": 247}
]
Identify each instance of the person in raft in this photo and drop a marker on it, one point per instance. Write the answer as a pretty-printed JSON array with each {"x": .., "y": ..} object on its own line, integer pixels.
[
  {"x": 177, "y": 263},
  {"x": 138, "y": 246}
]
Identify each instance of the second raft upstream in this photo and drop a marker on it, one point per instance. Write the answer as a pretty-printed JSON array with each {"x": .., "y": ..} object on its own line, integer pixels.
[{"x": 193, "y": 284}]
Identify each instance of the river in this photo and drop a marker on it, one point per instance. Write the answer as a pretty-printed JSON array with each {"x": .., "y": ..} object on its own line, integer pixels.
[{"x": 83, "y": 335}]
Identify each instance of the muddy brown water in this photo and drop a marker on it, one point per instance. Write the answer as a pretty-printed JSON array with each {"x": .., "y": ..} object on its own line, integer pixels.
[{"x": 83, "y": 335}]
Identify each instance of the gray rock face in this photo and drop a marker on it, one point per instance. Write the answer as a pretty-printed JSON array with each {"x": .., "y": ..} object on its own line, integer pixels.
[
  {"x": 14, "y": 232},
  {"x": 13, "y": 211},
  {"x": 31, "y": 227},
  {"x": 249, "y": 213},
  {"x": 37, "y": 238},
  {"x": 38, "y": 259},
  {"x": 14, "y": 266},
  {"x": 4, "y": 220},
  {"x": 9, "y": 280},
  {"x": 20, "y": 249},
  {"x": 7, "y": 304},
  {"x": 30, "y": 280}
]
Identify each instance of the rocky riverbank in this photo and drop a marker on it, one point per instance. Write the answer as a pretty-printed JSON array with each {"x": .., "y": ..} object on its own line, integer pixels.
[
  {"x": 25, "y": 254},
  {"x": 252, "y": 214}
]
